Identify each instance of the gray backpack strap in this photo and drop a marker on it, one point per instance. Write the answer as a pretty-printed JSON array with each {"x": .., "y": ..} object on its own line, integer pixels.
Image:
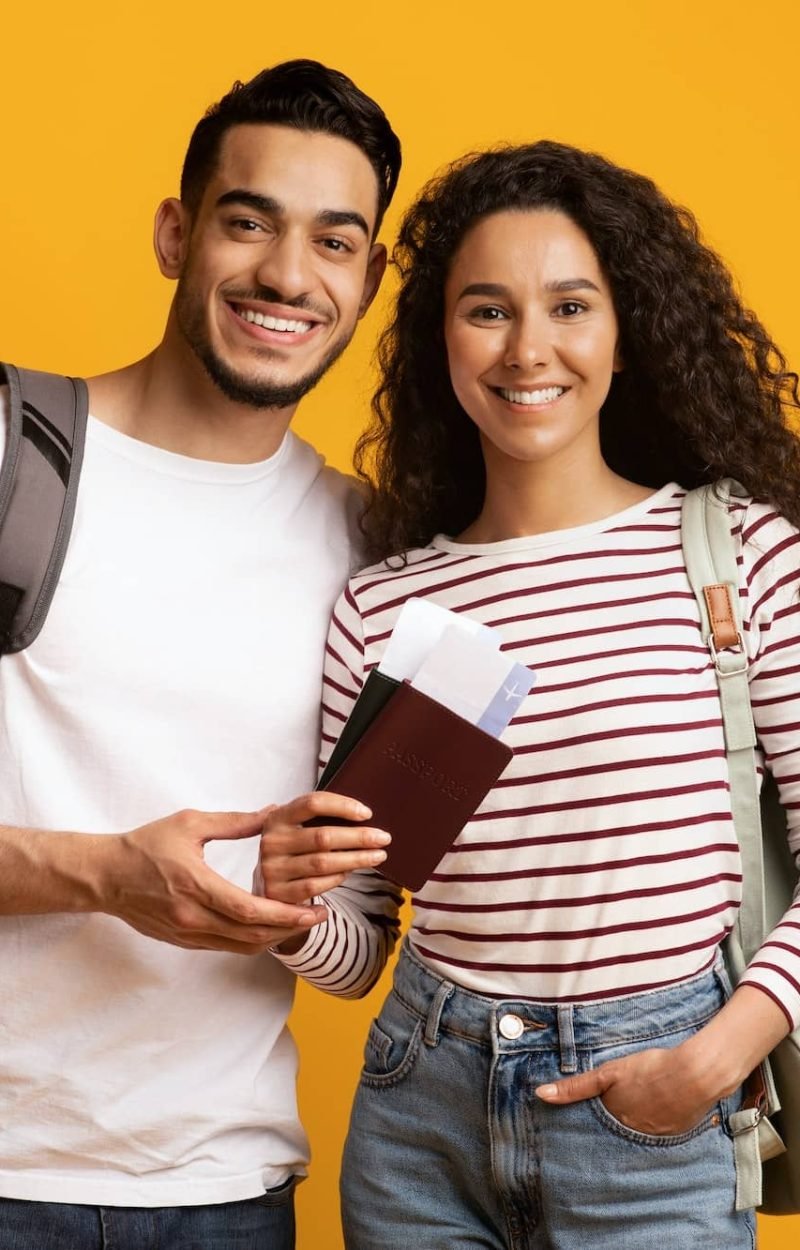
[
  {"x": 38, "y": 484},
  {"x": 710, "y": 555}
]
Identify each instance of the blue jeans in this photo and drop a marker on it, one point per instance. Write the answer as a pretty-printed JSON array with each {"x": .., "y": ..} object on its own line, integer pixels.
[
  {"x": 263, "y": 1223},
  {"x": 449, "y": 1148}
]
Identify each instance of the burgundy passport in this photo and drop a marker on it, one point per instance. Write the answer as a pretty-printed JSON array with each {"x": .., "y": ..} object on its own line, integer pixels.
[{"x": 424, "y": 771}]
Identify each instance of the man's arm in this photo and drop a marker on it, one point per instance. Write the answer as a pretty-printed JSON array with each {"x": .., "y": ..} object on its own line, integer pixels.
[{"x": 154, "y": 879}]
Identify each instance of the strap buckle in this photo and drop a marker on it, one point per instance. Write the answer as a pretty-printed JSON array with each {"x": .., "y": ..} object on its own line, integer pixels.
[{"x": 730, "y": 661}]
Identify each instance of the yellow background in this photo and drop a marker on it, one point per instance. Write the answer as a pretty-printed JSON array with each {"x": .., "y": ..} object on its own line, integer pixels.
[{"x": 97, "y": 105}]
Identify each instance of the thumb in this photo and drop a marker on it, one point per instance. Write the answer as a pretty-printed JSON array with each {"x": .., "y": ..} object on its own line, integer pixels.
[
  {"x": 576, "y": 1088},
  {"x": 229, "y": 825}
]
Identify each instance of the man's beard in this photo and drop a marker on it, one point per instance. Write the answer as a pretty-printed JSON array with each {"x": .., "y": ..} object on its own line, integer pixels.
[{"x": 252, "y": 392}]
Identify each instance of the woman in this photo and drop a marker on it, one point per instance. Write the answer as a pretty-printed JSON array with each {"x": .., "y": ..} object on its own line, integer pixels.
[{"x": 557, "y": 1064}]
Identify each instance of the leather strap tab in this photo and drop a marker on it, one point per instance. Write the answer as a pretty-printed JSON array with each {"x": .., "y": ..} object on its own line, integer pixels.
[{"x": 721, "y": 615}]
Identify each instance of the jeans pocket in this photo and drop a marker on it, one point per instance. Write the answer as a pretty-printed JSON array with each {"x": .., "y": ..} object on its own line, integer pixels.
[
  {"x": 712, "y": 1119},
  {"x": 392, "y": 1045}
]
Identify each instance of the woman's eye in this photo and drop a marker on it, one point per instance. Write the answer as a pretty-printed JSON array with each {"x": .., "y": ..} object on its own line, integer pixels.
[
  {"x": 488, "y": 314},
  {"x": 571, "y": 308}
]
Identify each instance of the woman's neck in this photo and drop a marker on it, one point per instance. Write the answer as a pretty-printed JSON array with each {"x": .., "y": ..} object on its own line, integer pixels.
[{"x": 524, "y": 499}]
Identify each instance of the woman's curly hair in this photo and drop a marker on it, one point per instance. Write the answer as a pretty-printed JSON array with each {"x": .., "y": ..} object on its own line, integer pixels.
[{"x": 704, "y": 393}]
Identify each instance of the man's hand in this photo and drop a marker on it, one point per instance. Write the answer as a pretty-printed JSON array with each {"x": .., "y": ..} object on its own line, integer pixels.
[
  {"x": 298, "y": 863},
  {"x": 652, "y": 1091},
  {"x": 156, "y": 880}
]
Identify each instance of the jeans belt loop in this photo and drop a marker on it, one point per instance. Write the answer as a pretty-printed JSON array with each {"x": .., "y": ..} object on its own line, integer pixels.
[
  {"x": 438, "y": 1001},
  {"x": 566, "y": 1038}
]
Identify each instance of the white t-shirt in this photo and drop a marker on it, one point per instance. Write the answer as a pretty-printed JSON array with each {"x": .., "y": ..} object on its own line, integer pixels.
[{"x": 180, "y": 666}]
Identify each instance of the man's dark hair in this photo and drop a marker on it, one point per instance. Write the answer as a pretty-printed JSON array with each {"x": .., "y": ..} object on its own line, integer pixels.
[{"x": 307, "y": 96}]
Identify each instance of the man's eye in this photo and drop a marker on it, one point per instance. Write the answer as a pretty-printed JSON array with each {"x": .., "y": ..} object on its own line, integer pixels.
[
  {"x": 336, "y": 245},
  {"x": 246, "y": 224}
]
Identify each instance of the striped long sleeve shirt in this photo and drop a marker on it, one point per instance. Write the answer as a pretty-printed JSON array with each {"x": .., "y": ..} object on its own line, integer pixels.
[{"x": 604, "y": 861}]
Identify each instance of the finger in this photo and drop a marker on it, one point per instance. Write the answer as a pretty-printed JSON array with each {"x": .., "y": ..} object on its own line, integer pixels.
[
  {"x": 301, "y": 891},
  {"x": 576, "y": 1088},
  {"x": 224, "y": 825},
  {"x": 298, "y": 840},
  {"x": 320, "y": 804},
  {"x": 281, "y": 870},
  {"x": 229, "y": 902}
]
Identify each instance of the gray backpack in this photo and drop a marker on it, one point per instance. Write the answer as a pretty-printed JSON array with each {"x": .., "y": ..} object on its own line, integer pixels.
[
  {"x": 38, "y": 484},
  {"x": 767, "y": 1149}
]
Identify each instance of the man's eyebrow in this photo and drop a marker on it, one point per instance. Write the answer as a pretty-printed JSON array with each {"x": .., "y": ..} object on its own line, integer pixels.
[
  {"x": 261, "y": 203},
  {"x": 342, "y": 217},
  {"x": 267, "y": 204}
]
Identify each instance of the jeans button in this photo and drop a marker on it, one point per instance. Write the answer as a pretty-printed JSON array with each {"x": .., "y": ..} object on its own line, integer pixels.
[{"x": 511, "y": 1027}]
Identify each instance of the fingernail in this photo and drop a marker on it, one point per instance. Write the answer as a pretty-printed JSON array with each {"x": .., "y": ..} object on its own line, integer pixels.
[
  {"x": 363, "y": 811},
  {"x": 309, "y": 917},
  {"x": 379, "y": 838},
  {"x": 546, "y": 1091},
  {"x": 376, "y": 857}
]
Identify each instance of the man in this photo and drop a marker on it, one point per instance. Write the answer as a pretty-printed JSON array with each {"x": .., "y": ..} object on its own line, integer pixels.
[{"x": 147, "y": 1087}]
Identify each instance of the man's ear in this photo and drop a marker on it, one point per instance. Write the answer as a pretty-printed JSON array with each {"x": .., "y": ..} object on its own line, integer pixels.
[
  {"x": 171, "y": 236},
  {"x": 376, "y": 267}
]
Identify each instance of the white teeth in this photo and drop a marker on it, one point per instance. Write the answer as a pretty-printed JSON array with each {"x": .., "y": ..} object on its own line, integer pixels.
[
  {"x": 532, "y": 397},
  {"x": 274, "y": 323}
]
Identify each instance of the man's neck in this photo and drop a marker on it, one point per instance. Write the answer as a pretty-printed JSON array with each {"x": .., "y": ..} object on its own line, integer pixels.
[{"x": 167, "y": 399}]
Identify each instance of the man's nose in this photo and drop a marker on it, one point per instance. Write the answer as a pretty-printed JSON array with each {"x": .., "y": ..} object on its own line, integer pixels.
[{"x": 286, "y": 267}]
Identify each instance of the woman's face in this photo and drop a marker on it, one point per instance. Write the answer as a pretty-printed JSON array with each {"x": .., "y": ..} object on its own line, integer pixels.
[{"x": 532, "y": 336}]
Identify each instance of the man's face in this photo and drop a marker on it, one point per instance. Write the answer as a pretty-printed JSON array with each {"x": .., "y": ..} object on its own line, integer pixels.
[{"x": 277, "y": 264}]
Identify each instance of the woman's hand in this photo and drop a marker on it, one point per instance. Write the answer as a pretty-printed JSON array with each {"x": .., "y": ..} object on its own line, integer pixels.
[
  {"x": 668, "y": 1092},
  {"x": 298, "y": 862},
  {"x": 653, "y": 1091}
]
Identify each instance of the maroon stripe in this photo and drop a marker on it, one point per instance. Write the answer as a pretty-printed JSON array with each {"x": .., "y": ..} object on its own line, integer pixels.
[
  {"x": 335, "y": 620},
  {"x": 752, "y": 529},
  {"x": 329, "y": 711},
  {"x": 643, "y": 529},
  {"x": 764, "y": 963},
  {"x": 628, "y": 731},
  {"x": 781, "y": 698},
  {"x": 574, "y": 584},
  {"x": 583, "y": 965},
  {"x": 601, "y": 606},
  {"x": 792, "y": 540},
  {"x": 780, "y": 645},
  {"x": 594, "y": 835},
  {"x": 631, "y": 674},
  {"x": 571, "y": 935},
  {"x": 610, "y": 766},
  {"x": 435, "y": 560},
  {"x": 601, "y": 801},
  {"x": 592, "y": 900},
  {"x": 774, "y": 588},
  {"x": 777, "y": 672},
  {"x": 582, "y": 709},
  {"x": 577, "y": 870},
  {"x": 615, "y": 991},
  {"x": 330, "y": 684},
  {"x": 565, "y": 660}
]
